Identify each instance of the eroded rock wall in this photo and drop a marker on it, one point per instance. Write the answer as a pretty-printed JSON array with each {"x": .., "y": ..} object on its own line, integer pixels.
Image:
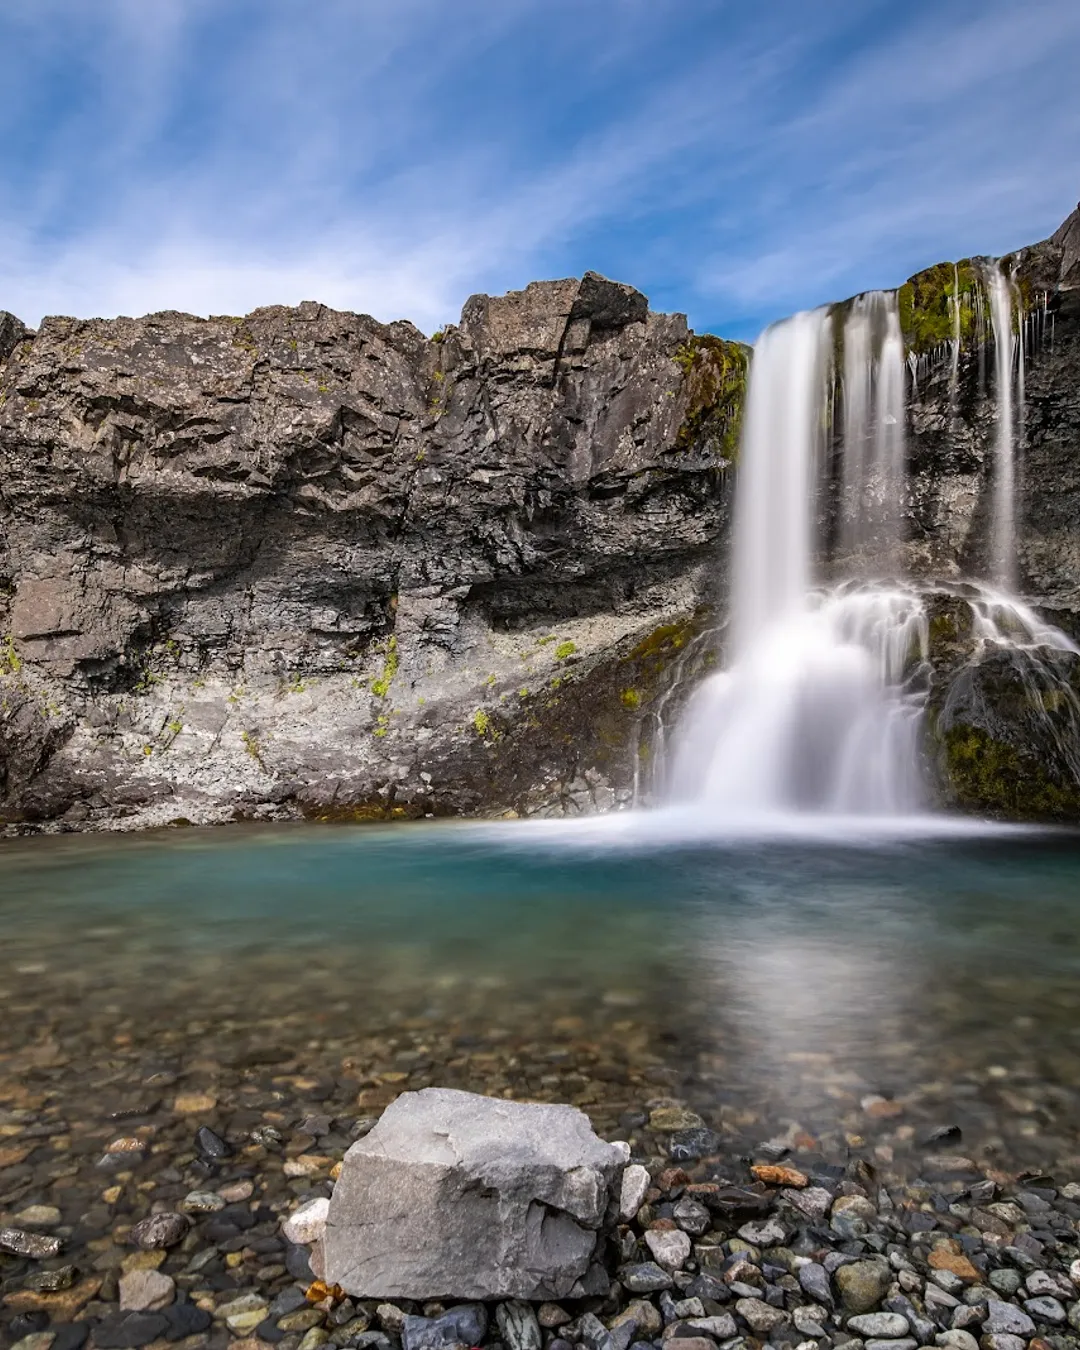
[{"x": 306, "y": 562}]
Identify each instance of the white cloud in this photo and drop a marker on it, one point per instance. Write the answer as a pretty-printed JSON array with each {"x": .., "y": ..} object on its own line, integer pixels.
[{"x": 385, "y": 156}]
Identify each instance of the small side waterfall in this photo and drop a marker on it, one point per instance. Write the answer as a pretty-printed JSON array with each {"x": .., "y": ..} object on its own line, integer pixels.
[
  {"x": 873, "y": 399},
  {"x": 1006, "y": 348}
]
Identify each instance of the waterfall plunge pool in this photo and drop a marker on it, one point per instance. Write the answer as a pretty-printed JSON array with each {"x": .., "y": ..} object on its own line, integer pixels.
[{"x": 847, "y": 997}]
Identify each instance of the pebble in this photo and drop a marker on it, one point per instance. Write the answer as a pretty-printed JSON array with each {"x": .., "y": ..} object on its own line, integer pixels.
[
  {"x": 670, "y": 1249},
  {"x": 1001, "y": 1340},
  {"x": 550, "y": 1316},
  {"x": 1046, "y": 1309},
  {"x": 210, "y": 1145},
  {"x": 879, "y": 1325},
  {"x": 814, "y": 1279},
  {"x": 644, "y": 1278},
  {"x": 17, "y": 1242},
  {"x": 201, "y": 1202},
  {"x": 37, "y": 1340},
  {"x": 39, "y": 1216},
  {"x": 903, "y": 1343},
  {"x": 635, "y": 1182},
  {"x": 1008, "y": 1318},
  {"x": 464, "y": 1325},
  {"x": 51, "y": 1281},
  {"x": 759, "y": 1315},
  {"x": 519, "y": 1326},
  {"x": 1005, "y": 1281},
  {"x": 862, "y": 1285},
  {"x": 813, "y": 1202},
  {"x": 146, "y": 1291},
  {"x": 307, "y": 1224},
  {"x": 808, "y": 1321},
  {"x": 957, "y": 1340},
  {"x": 669, "y": 1119},
  {"x": 243, "y": 1314},
  {"x": 160, "y": 1230},
  {"x": 764, "y": 1233}
]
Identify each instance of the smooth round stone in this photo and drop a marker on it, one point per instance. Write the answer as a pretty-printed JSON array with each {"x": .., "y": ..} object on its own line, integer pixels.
[
  {"x": 37, "y": 1340},
  {"x": 39, "y": 1216},
  {"x": 1046, "y": 1310},
  {"x": 160, "y": 1230},
  {"x": 644, "y": 1278},
  {"x": 862, "y": 1285},
  {"x": 879, "y": 1325},
  {"x": 958, "y": 1340}
]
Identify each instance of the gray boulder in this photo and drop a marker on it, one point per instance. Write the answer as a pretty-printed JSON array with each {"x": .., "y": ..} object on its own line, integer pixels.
[{"x": 454, "y": 1195}]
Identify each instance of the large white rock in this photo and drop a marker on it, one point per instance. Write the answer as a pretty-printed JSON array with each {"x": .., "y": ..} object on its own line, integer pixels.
[{"x": 452, "y": 1195}]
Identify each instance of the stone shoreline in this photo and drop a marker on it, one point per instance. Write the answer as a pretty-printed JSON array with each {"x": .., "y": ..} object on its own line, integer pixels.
[{"x": 788, "y": 1247}]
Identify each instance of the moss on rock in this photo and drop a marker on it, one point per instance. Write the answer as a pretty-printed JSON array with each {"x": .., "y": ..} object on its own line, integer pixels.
[{"x": 715, "y": 373}]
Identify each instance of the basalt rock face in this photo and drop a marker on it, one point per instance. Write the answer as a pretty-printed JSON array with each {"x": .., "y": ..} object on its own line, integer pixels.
[{"x": 303, "y": 562}]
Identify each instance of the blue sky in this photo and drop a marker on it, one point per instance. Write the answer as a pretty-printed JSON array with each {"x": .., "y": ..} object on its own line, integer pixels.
[{"x": 735, "y": 161}]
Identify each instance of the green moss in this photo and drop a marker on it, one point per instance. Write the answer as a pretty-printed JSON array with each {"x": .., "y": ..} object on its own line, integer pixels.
[
  {"x": 989, "y": 775},
  {"x": 666, "y": 639},
  {"x": 926, "y": 305},
  {"x": 381, "y": 687},
  {"x": 714, "y": 374},
  {"x": 630, "y": 698},
  {"x": 10, "y": 660},
  {"x": 564, "y": 650}
]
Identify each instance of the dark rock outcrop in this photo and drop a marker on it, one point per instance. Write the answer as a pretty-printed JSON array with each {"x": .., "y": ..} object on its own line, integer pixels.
[{"x": 306, "y": 562}]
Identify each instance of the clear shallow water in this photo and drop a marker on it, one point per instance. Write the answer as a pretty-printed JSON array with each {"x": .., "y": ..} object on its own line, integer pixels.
[{"x": 854, "y": 993}]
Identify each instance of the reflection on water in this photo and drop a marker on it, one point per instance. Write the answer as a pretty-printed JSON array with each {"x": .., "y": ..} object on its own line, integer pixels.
[{"x": 860, "y": 995}]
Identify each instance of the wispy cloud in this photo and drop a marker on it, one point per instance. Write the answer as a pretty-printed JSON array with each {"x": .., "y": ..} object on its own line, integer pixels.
[{"x": 214, "y": 155}]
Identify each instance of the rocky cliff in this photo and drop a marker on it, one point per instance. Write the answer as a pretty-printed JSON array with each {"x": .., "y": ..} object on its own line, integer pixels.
[
  {"x": 302, "y": 562},
  {"x": 305, "y": 563}
]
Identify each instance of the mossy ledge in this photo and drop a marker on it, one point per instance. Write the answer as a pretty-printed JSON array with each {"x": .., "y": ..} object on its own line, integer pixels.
[
  {"x": 715, "y": 373},
  {"x": 987, "y": 775}
]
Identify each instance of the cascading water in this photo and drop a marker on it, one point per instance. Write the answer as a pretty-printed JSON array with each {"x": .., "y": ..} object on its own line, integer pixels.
[
  {"x": 1003, "y": 534},
  {"x": 821, "y": 705},
  {"x": 815, "y": 711},
  {"x": 873, "y": 397}
]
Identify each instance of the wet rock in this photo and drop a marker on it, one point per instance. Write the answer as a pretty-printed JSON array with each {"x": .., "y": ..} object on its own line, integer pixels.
[
  {"x": 690, "y": 1145},
  {"x": 463, "y": 1326},
  {"x": 201, "y": 1202},
  {"x": 160, "y": 1230},
  {"x": 644, "y": 1278},
  {"x": 455, "y": 1195},
  {"x": 760, "y": 1316},
  {"x": 814, "y": 1279},
  {"x": 242, "y": 1315},
  {"x": 862, "y": 1285},
  {"x": 36, "y": 1340},
  {"x": 851, "y": 1216},
  {"x": 813, "y": 1203},
  {"x": 766, "y": 1233},
  {"x": 126, "y": 1331},
  {"x": 210, "y": 1145},
  {"x": 17, "y": 1242},
  {"x": 51, "y": 1281},
  {"x": 146, "y": 1291},
  {"x": 518, "y": 1326}
]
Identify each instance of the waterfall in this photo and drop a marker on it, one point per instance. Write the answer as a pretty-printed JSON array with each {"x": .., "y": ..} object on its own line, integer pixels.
[
  {"x": 873, "y": 429},
  {"x": 821, "y": 705},
  {"x": 1003, "y": 526},
  {"x": 816, "y": 711}
]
